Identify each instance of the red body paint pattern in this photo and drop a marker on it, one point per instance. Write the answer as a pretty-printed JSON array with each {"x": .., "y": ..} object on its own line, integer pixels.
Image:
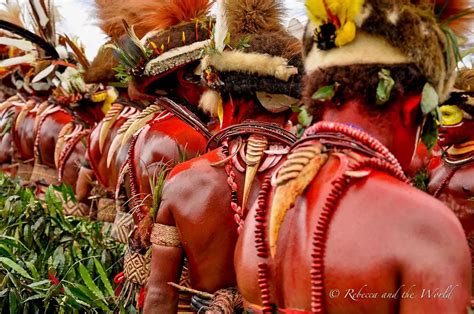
[{"x": 385, "y": 163}]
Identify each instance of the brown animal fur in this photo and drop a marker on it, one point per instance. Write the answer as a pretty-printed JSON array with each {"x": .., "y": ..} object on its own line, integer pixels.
[
  {"x": 417, "y": 35},
  {"x": 101, "y": 68},
  {"x": 360, "y": 82},
  {"x": 254, "y": 16}
]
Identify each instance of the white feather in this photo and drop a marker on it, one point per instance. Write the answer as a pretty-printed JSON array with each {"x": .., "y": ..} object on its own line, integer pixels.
[
  {"x": 221, "y": 28},
  {"x": 28, "y": 58},
  {"x": 43, "y": 17},
  {"x": 44, "y": 73},
  {"x": 18, "y": 43}
]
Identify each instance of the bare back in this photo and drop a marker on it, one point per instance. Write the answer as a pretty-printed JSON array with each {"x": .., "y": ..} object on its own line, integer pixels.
[{"x": 385, "y": 237}]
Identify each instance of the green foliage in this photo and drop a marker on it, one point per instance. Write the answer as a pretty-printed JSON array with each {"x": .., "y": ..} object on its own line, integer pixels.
[
  {"x": 7, "y": 123},
  {"x": 244, "y": 43},
  {"x": 429, "y": 134},
  {"x": 121, "y": 74},
  {"x": 325, "y": 93},
  {"x": 384, "y": 87},
  {"x": 421, "y": 179},
  {"x": 304, "y": 119},
  {"x": 50, "y": 263},
  {"x": 429, "y": 99},
  {"x": 157, "y": 182}
]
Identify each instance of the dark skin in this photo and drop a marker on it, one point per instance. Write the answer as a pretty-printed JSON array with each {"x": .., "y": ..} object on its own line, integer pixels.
[
  {"x": 425, "y": 247},
  {"x": 196, "y": 199}
]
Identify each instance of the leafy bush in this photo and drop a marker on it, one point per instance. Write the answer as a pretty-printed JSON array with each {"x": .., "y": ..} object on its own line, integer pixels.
[{"x": 50, "y": 263}]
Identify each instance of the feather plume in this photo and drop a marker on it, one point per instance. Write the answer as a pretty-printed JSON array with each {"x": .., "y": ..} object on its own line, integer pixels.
[
  {"x": 221, "y": 28},
  {"x": 147, "y": 15},
  {"x": 11, "y": 13},
  {"x": 110, "y": 14},
  {"x": 459, "y": 14},
  {"x": 78, "y": 51},
  {"x": 254, "y": 16},
  {"x": 43, "y": 16}
]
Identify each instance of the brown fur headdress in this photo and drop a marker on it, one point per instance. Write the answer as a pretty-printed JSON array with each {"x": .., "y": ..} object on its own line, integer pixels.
[
  {"x": 384, "y": 32},
  {"x": 261, "y": 56}
]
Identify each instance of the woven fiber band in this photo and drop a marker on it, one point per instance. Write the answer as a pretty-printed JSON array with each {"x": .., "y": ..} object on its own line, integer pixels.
[
  {"x": 136, "y": 267},
  {"x": 44, "y": 174},
  {"x": 164, "y": 235}
]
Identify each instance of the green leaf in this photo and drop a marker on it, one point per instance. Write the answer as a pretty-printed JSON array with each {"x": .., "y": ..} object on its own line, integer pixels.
[
  {"x": 304, "y": 118},
  {"x": 39, "y": 283},
  {"x": 384, "y": 87},
  {"x": 429, "y": 99},
  {"x": 89, "y": 282},
  {"x": 73, "y": 299},
  {"x": 429, "y": 134},
  {"x": 28, "y": 235},
  {"x": 421, "y": 179},
  {"x": 58, "y": 258},
  {"x": 13, "y": 302},
  {"x": 104, "y": 278},
  {"x": 32, "y": 269},
  {"x": 325, "y": 93},
  {"x": 14, "y": 266},
  {"x": 35, "y": 297},
  {"x": 6, "y": 251}
]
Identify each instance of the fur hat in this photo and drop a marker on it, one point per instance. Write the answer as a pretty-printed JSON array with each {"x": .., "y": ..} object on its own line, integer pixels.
[
  {"x": 175, "y": 33},
  {"x": 378, "y": 34},
  {"x": 253, "y": 54}
]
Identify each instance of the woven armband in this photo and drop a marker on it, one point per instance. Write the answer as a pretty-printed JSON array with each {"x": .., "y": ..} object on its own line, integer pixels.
[{"x": 164, "y": 235}]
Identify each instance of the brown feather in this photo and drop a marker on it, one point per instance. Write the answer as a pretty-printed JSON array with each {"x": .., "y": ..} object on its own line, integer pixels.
[
  {"x": 78, "y": 52},
  {"x": 254, "y": 16}
]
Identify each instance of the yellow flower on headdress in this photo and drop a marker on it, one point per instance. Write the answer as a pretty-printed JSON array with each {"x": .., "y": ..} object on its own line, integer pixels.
[{"x": 340, "y": 13}]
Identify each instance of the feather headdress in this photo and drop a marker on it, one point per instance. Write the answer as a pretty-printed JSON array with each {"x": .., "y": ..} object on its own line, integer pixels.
[{"x": 177, "y": 31}]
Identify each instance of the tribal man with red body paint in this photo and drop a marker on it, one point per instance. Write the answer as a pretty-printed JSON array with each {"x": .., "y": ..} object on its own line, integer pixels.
[
  {"x": 339, "y": 217},
  {"x": 451, "y": 173},
  {"x": 255, "y": 79}
]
